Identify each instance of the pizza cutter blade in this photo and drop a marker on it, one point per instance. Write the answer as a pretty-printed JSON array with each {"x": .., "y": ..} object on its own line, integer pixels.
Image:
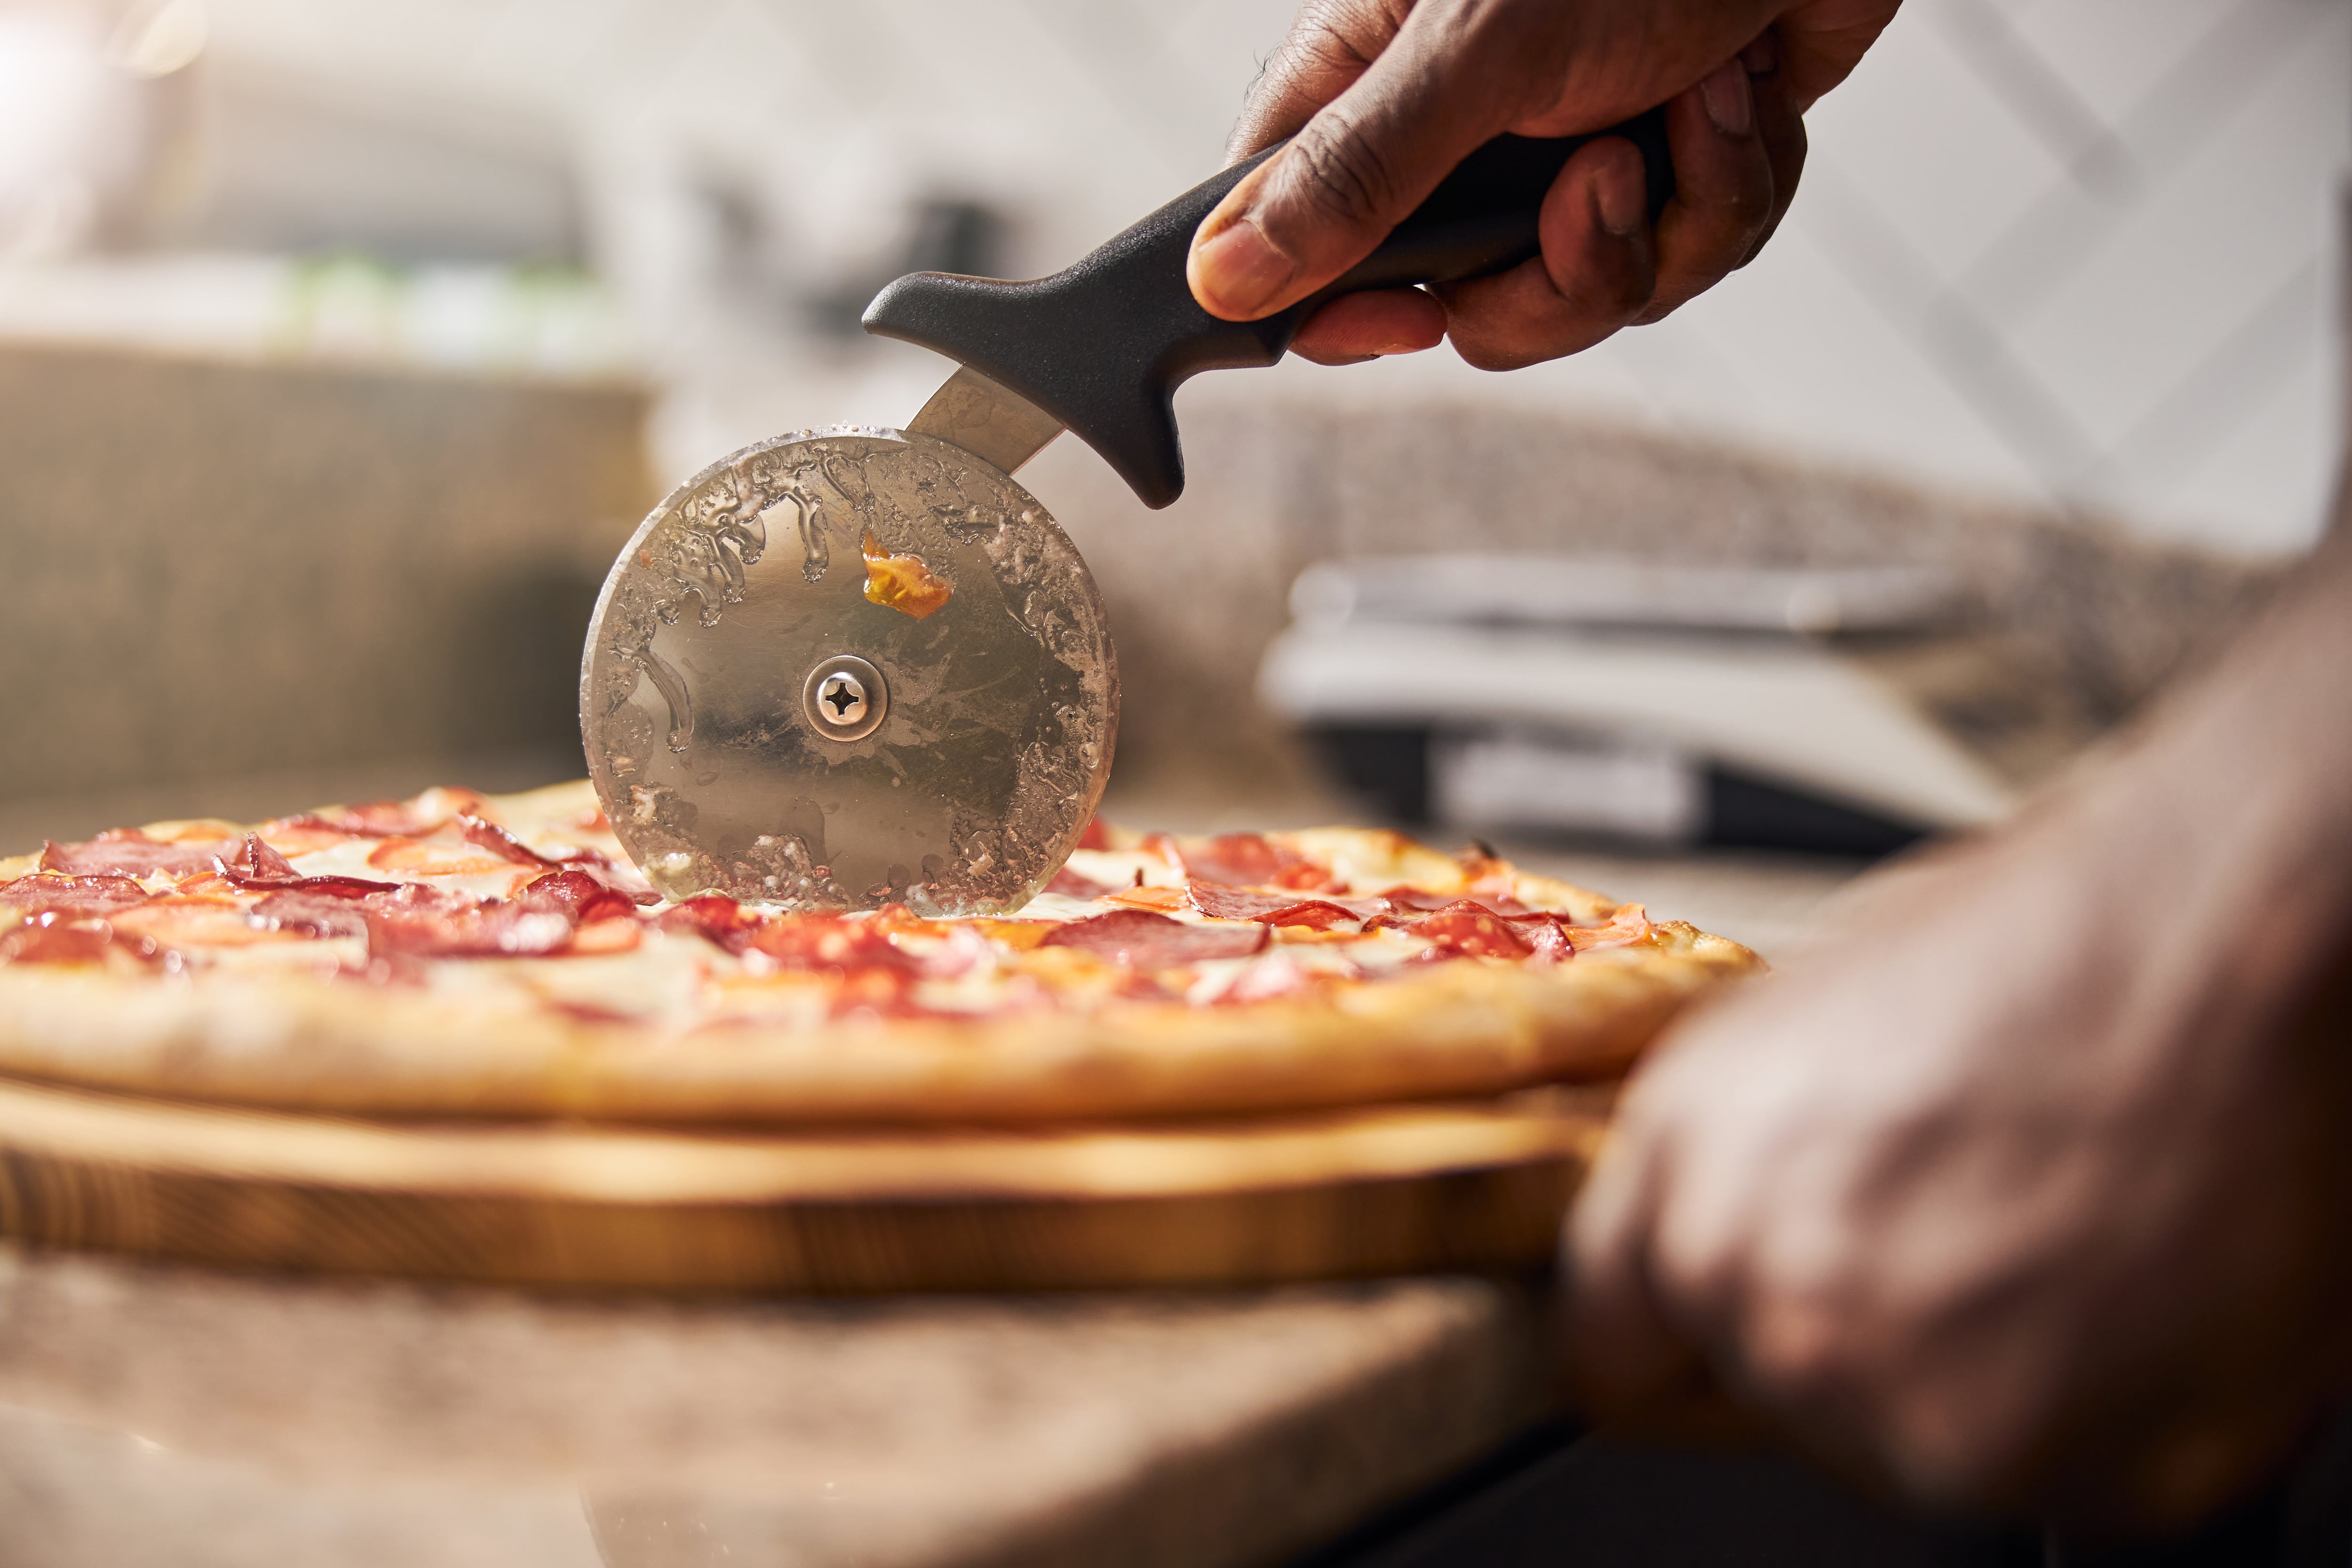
[
  {"x": 847, "y": 668},
  {"x": 858, "y": 667}
]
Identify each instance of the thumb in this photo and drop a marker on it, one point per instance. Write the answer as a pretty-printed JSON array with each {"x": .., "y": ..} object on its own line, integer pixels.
[{"x": 1362, "y": 163}]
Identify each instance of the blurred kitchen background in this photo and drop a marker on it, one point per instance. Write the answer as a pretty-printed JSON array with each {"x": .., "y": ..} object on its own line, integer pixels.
[{"x": 342, "y": 341}]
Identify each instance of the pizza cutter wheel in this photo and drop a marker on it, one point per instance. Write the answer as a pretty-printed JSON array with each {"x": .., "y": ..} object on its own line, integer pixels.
[
  {"x": 858, "y": 667},
  {"x": 851, "y": 667}
]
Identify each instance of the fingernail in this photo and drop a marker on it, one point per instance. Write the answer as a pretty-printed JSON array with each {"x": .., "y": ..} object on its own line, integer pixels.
[
  {"x": 1762, "y": 56},
  {"x": 1724, "y": 92},
  {"x": 1238, "y": 271},
  {"x": 1621, "y": 196}
]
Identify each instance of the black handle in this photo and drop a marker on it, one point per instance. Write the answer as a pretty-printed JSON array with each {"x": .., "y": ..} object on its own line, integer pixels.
[{"x": 1103, "y": 346}]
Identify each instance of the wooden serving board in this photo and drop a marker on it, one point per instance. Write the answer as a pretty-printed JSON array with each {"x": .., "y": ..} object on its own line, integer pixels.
[{"x": 1404, "y": 1189}]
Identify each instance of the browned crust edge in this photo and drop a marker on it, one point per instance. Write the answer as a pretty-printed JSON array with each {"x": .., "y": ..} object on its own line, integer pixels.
[{"x": 1462, "y": 1029}]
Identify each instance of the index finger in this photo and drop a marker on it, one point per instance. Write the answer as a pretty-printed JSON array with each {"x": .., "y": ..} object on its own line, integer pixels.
[
  {"x": 1450, "y": 78},
  {"x": 1330, "y": 44}
]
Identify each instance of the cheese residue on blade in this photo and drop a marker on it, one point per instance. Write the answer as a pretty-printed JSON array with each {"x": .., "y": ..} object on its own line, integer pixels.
[{"x": 902, "y": 582}]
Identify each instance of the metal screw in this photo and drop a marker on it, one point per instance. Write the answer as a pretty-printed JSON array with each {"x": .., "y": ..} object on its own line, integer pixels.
[{"x": 843, "y": 697}]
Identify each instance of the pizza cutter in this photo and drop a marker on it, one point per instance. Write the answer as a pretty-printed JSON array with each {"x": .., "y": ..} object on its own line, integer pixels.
[{"x": 854, "y": 666}]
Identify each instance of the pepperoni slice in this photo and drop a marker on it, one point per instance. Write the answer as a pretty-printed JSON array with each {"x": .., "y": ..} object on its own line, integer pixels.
[
  {"x": 1153, "y": 897},
  {"x": 1627, "y": 924},
  {"x": 422, "y": 923},
  {"x": 258, "y": 865},
  {"x": 578, "y": 896},
  {"x": 1097, "y": 835},
  {"x": 425, "y": 857},
  {"x": 185, "y": 922},
  {"x": 809, "y": 941},
  {"x": 876, "y": 975},
  {"x": 1251, "y": 859},
  {"x": 1070, "y": 885},
  {"x": 1469, "y": 930},
  {"x": 1546, "y": 936},
  {"x": 79, "y": 895},
  {"x": 1417, "y": 900},
  {"x": 1150, "y": 941},
  {"x": 1420, "y": 901},
  {"x": 56, "y": 936},
  {"x": 716, "y": 919},
  {"x": 487, "y": 835},
  {"x": 312, "y": 912},
  {"x": 1272, "y": 908},
  {"x": 607, "y": 936},
  {"x": 127, "y": 852},
  {"x": 483, "y": 833},
  {"x": 419, "y": 922},
  {"x": 370, "y": 820}
]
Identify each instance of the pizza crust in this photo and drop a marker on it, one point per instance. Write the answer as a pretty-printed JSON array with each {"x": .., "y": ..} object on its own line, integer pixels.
[{"x": 1463, "y": 1028}]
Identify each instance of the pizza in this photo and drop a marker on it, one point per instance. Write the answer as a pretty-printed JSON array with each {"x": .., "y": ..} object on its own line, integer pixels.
[{"x": 459, "y": 954}]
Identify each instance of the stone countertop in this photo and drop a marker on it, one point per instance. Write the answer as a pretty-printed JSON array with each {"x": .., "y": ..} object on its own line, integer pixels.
[{"x": 153, "y": 1414}]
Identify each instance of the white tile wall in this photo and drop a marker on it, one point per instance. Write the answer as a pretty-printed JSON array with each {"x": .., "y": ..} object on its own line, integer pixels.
[{"x": 2075, "y": 250}]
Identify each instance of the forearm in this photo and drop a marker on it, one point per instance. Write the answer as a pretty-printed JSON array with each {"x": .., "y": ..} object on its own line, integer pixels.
[{"x": 2244, "y": 779}]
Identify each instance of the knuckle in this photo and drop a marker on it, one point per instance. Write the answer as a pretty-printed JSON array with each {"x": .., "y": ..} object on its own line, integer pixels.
[
  {"x": 1738, "y": 203},
  {"x": 1330, "y": 34},
  {"x": 1799, "y": 1356},
  {"x": 1625, "y": 291},
  {"x": 1615, "y": 291},
  {"x": 1339, "y": 174},
  {"x": 1330, "y": 44}
]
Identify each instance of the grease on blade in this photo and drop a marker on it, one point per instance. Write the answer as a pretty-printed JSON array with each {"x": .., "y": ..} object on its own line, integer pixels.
[{"x": 903, "y": 583}]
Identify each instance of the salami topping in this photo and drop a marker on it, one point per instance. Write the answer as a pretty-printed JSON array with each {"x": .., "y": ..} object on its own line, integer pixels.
[
  {"x": 80, "y": 894},
  {"x": 425, "y": 922},
  {"x": 489, "y": 835},
  {"x": 311, "y": 913},
  {"x": 1070, "y": 885},
  {"x": 1413, "y": 898},
  {"x": 56, "y": 936},
  {"x": 1156, "y": 898},
  {"x": 1465, "y": 929},
  {"x": 1546, "y": 936},
  {"x": 1251, "y": 859},
  {"x": 1468, "y": 930},
  {"x": 579, "y": 895},
  {"x": 383, "y": 819},
  {"x": 874, "y": 974},
  {"x": 432, "y": 857},
  {"x": 1272, "y": 908},
  {"x": 1206, "y": 924},
  {"x": 1150, "y": 941},
  {"x": 419, "y": 922},
  {"x": 127, "y": 852},
  {"x": 830, "y": 942},
  {"x": 1628, "y": 923},
  {"x": 716, "y": 919},
  {"x": 256, "y": 865}
]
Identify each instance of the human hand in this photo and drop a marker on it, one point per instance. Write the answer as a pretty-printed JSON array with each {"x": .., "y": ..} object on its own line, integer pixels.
[
  {"x": 2031, "y": 1194},
  {"x": 1382, "y": 97}
]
